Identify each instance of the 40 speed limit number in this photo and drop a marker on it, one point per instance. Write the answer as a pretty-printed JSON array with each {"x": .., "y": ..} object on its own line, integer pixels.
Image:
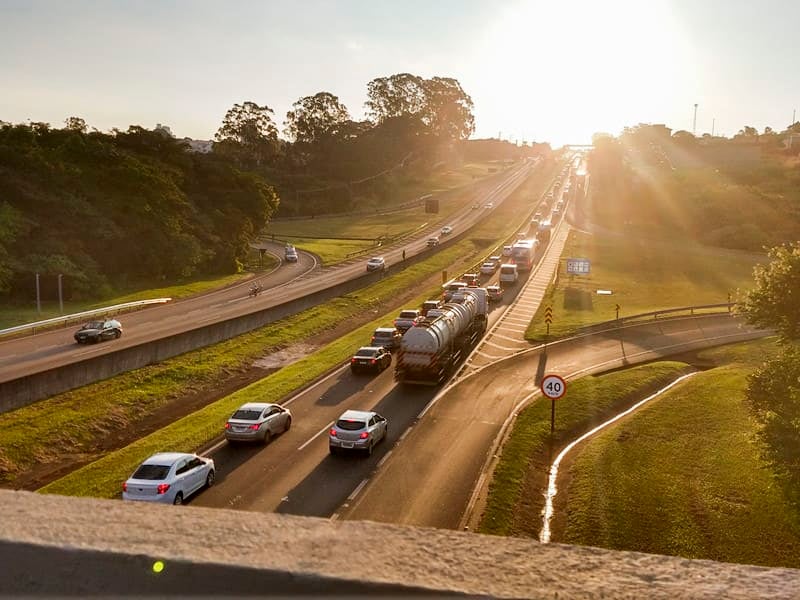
[{"x": 553, "y": 386}]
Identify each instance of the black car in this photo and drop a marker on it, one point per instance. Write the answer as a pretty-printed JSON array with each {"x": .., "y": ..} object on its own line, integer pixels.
[
  {"x": 370, "y": 358},
  {"x": 97, "y": 331}
]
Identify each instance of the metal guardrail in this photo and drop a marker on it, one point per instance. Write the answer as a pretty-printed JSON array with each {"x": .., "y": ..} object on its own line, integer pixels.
[
  {"x": 656, "y": 314},
  {"x": 82, "y": 315}
]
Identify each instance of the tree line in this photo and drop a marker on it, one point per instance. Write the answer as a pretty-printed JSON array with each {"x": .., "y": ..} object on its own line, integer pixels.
[
  {"x": 137, "y": 207},
  {"x": 113, "y": 210}
]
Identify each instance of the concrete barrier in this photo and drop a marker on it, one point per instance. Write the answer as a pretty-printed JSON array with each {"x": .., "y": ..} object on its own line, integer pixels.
[{"x": 50, "y": 546}]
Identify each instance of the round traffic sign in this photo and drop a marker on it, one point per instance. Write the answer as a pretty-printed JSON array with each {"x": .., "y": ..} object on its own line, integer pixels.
[{"x": 553, "y": 386}]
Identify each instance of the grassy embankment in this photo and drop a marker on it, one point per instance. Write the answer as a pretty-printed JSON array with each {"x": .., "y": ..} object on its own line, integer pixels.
[
  {"x": 644, "y": 276},
  {"x": 684, "y": 476},
  {"x": 137, "y": 394},
  {"x": 516, "y": 491},
  {"x": 351, "y": 234}
]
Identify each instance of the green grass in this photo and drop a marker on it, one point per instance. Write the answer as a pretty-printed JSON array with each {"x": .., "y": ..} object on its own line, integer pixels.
[
  {"x": 25, "y": 437},
  {"x": 684, "y": 476},
  {"x": 643, "y": 275},
  {"x": 334, "y": 251},
  {"x": 515, "y": 496},
  {"x": 17, "y": 315}
]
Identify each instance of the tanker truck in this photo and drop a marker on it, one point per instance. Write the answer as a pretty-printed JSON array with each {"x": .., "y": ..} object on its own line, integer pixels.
[{"x": 430, "y": 350}]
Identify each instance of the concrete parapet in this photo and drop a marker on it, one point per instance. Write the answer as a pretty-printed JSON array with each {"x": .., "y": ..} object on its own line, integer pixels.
[{"x": 52, "y": 545}]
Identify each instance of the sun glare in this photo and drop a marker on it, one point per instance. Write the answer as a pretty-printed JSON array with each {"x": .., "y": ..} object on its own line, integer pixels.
[{"x": 568, "y": 69}]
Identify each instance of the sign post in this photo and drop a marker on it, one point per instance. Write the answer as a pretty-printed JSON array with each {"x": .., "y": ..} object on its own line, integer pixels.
[
  {"x": 548, "y": 318},
  {"x": 553, "y": 386}
]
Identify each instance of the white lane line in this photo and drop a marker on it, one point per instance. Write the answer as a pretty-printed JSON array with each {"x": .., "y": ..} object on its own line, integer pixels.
[
  {"x": 402, "y": 437},
  {"x": 489, "y": 356},
  {"x": 385, "y": 458},
  {"x": 506, "y": 338},
  {"x": 334, "y": 517},
  {"x": 506, "y": 348},
  {"x": 215, "y": 447},
  {"x": 515, "y": 320},
  {"x": 311, "y": 387},
  {"x": 316, "y": 435},
  {"x": 356, "y": 491}
]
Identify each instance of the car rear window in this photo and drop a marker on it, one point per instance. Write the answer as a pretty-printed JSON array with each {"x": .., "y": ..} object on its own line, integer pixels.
[
  {"x": 350, "y": 425},
  {"x": 247, "y": 414},
  {"x": 366, "y": 352},
  {"x": 408, "y": 314},
  {"x": 508, "y": 269},
  {"x": 383, "y": 334},
  {"x": 151, "y": 472}
]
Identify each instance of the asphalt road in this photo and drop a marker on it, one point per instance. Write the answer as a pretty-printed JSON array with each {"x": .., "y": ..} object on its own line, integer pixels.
[{"x": 35, "y": 353}]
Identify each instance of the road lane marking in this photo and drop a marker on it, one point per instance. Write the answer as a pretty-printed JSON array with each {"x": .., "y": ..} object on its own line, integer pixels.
[
  {"x": 316, "y": 435},
  {"x": 356, "y": 491},
  {"x": 312, "y": 386},
  {"x": 385, "y": 457}
]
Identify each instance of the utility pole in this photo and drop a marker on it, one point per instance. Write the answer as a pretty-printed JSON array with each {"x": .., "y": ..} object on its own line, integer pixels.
[
  {"x": 694, "y": 120},
  {"x": 713, "y": 122},
  {"x": 38, "y": 296},
  {"x": 60, "y": 293}
]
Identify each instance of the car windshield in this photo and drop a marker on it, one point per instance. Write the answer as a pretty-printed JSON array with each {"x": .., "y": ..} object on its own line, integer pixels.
[
  {"x": 350, "y": 424},
  {"x": 247, "y": 414},
  {"x": 151, "y": 472},
  {"x": 367, "y": 352},
  {"x": 93, "y": 325}
]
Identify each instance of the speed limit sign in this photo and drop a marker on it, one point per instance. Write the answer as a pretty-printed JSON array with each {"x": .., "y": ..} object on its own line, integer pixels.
[{"x": 553, "y": 386}]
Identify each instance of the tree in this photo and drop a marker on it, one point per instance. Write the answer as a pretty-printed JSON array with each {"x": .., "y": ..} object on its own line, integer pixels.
[
  {"x": 315, "y": 118},
  {"x": 775, "y": 300},
  {"x": 76, "y": 124},
  {"x": 448, "y": 109},
  {"x": 398, "y": 95},
  {"x": 747, "y": 131},
  {"x": 249, "y": 134},
  {"x": 773, "y": 391}
]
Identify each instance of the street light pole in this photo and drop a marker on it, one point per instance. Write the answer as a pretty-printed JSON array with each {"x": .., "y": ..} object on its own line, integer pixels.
[
  {"x": 38, "y": 296},
  {"x": 694, "y": 120},
  {"x": 60, "y": 294}
]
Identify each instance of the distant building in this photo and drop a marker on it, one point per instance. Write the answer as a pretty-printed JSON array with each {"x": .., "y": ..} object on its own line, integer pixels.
[
  {"x": 199, "y": 146},
  {"x": 164, "y": 129}
]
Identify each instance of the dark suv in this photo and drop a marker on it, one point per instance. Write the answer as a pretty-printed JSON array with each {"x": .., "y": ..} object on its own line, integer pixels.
[
  {"x": 97, "y": 331},
  {"x": 387, "y": 337}
]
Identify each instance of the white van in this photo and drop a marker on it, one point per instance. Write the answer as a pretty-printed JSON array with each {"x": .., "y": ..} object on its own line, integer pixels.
[{"x": 508, "y": 273}]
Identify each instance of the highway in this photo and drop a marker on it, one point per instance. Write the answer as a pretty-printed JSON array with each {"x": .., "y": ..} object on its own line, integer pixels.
[
  {"x": 439, "y": 442},
  {"x": 32, "y": 354}
]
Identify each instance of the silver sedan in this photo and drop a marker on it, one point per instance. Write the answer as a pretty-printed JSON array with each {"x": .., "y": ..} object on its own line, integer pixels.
[{"x": 257, "y": 421}]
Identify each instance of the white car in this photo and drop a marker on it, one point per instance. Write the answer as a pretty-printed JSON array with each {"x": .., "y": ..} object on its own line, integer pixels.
[
  {"x": 376, "y": 263},
  {"x": 488, "y": 268},
  {"x": 169, "y": 478},
  {"x": 447, "y": 230},
  {"x": 507, "y": 250},
  {"x": 489, "y": 205},
  {"x": 290, "y": 254}
]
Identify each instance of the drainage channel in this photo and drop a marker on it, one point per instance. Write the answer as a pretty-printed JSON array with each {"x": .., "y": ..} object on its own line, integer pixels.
[{"x": 547, "y": 514}]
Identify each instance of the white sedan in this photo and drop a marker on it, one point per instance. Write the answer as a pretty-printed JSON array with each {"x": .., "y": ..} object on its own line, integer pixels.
[
  {"x": 447, "y": 230},
  {"x": 488, "y": 268},
  {"x": 169, "y": 478}
]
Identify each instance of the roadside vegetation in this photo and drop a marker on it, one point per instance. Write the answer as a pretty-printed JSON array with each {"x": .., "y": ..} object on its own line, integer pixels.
[
  {"x": 94, "y": 413},
  {"x": 643, "y": 275},
  {"x": 684, "y": 475},
  {"x": 516, "y": 492}
]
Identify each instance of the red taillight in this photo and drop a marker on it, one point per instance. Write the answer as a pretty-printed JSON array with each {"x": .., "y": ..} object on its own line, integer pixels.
[
  {"x": 162, "y": 488},
  {"x": 352, "y": 360},
  {"x": 372, "y": 362},
  {"x": 254, "y": 427},
  {"x": 364, "y": 435},
  {"x": 227, "y": 425},
  {"x": 332, "y": 432},
  {"x": 125, "y": 486}
]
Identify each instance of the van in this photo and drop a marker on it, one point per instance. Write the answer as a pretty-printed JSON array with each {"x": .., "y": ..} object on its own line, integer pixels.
[{"x": 508, "y": 273}]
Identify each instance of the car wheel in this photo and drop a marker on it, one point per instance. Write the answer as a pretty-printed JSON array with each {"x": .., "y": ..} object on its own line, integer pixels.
[
  {"x": 288, "y": 424},
  {"x": 385, "y": 433},
  {"x": 178, "y": 498},
  {"x": 369, "y": 449},
  {"x": 267, "y": 436},
  {"x": 333, "y": 450},
  {"x": 210, "y": 478},
  {"x": 117, "y": 334}
]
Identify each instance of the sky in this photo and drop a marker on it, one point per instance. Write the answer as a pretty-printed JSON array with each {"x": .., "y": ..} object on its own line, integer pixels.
[{"x": 537, "y": 70}]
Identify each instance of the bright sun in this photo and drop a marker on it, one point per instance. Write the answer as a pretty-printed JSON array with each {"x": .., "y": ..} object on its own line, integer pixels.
[{"x": 567, "y": 69}]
